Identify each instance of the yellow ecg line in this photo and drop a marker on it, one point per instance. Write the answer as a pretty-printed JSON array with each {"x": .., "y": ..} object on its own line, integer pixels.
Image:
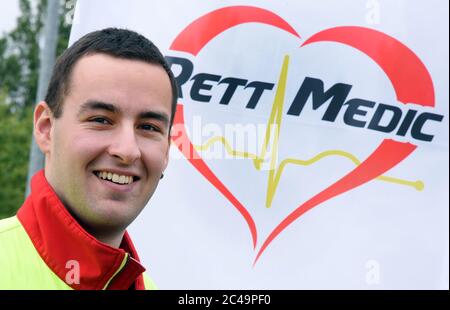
[{"x": 275, "y": 123}]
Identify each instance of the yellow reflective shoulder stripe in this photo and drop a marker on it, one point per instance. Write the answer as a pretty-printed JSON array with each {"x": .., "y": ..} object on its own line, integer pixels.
[
  {"x": 21, "y": 266},
  {"x": 148, "y": 283}
]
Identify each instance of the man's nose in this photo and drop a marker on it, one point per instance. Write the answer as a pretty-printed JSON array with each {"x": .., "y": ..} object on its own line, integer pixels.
[{"x": 125, "y": 146}]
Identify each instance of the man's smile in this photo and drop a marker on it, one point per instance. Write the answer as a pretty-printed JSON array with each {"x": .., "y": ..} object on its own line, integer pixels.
[
  {"x": 115, "y": 181},
  {"x": 116, "y": 178}
]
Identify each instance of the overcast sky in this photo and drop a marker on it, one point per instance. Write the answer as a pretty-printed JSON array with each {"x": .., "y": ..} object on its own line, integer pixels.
[{"x": 9, "y": 12}]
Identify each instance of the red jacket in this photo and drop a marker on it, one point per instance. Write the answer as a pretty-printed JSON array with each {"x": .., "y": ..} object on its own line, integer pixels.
[{"x": 60, "y": 240}]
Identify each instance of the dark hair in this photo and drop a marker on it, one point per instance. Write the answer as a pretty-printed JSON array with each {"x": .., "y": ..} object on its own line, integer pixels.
[{"x": 120, "y": 43}]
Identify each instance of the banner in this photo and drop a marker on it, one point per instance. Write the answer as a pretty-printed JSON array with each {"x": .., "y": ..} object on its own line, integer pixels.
[{"x": 310, "y": 145}]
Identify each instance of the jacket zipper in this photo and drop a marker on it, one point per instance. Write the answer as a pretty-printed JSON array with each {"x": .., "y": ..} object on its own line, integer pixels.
[{"x": 119, "y": 270}]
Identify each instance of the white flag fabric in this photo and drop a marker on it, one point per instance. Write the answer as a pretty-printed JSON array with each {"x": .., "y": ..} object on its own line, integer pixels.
[{"x": 310, "y": 145}]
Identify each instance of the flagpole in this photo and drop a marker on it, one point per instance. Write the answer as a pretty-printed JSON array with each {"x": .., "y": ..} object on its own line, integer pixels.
[{"x": 47, "y": 57}]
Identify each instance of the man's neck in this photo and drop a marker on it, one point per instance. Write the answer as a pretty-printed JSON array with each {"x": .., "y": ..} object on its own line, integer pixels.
[{"x": 113, "y": 240}]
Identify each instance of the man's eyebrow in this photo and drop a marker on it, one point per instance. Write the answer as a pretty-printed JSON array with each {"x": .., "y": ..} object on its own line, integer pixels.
[
  {"x": 97, "y": 105},
  {"x": 163, "y": 117}
]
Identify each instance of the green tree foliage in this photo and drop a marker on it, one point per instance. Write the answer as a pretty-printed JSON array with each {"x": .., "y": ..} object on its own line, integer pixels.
[
  {"x": 15, "y": 137},
  {"x": 19, "y": 72}
]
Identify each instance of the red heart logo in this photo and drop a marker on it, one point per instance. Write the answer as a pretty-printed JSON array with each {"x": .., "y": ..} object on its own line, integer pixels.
[{"x": 411, "y": 81}]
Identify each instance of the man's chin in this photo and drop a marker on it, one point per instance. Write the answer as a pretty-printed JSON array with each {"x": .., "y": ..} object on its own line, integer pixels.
[{"x": 111, "y": 214}]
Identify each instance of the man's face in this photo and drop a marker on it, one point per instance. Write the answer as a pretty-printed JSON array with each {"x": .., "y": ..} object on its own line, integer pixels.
[{"x": 114, "y": 124}]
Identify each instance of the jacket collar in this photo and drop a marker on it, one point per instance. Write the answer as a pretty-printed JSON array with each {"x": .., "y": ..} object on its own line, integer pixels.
[{"x": 67, "y": 248}]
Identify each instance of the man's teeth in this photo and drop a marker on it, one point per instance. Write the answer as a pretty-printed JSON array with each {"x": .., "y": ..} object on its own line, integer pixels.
[{"x": 116, "y": 178}]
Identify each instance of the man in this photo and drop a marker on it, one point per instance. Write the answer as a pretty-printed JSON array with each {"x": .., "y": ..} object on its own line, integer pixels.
[{"x": 104, "y": 128}]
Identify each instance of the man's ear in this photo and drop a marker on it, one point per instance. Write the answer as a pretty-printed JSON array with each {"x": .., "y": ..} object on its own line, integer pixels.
[
  {"x": 43, "y": 122},
  {"x": 166, "y": 160}
]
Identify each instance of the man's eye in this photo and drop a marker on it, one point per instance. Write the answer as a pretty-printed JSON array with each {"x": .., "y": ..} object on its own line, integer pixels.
[
  {"x": 100, "y": 120},
  {"x": 149, "y": 127}
]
